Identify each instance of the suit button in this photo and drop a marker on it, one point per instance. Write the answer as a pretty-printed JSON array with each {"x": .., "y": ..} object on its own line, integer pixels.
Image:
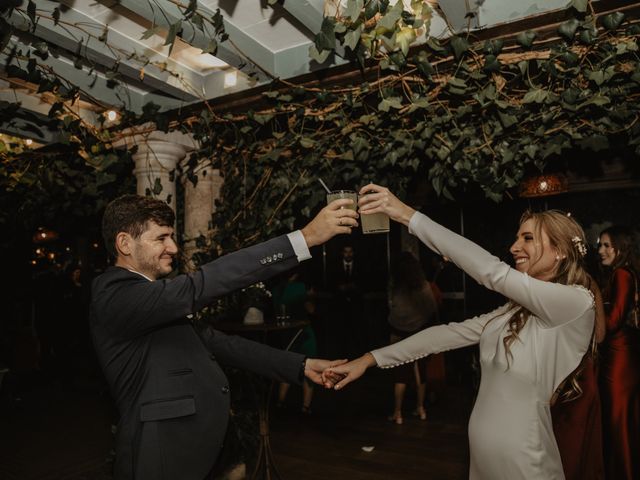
[
  {"x": 225, "y": 389},
  {"x": 212, "y": 357}
]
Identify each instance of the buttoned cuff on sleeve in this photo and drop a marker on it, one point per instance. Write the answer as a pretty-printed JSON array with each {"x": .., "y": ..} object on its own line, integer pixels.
[{"x": 299, "y": 245}]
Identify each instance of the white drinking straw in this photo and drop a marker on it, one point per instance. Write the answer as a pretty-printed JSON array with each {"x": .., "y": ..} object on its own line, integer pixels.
[{"x": 324, "y": 185}]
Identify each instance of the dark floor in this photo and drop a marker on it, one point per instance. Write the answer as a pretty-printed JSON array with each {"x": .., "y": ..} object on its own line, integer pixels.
[
  {"x": 328, "y": 444},
  {"x": 56, "y": 432}
]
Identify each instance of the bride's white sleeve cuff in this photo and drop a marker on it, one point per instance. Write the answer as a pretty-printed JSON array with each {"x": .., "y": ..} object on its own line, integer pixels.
[{"x": 413, "y": 221}]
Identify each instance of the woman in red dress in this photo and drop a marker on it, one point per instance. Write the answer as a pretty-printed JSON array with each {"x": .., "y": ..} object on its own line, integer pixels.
[
  {"x": 620, "y": 357},
  {"x": 577, "y": 422}
]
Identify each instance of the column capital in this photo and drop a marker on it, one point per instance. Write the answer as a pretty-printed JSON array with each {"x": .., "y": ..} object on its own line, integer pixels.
[
  {"x": 159, "y": 153},
  {"x": 142, "y": 134},
  {"x": 155, "y": 160}
]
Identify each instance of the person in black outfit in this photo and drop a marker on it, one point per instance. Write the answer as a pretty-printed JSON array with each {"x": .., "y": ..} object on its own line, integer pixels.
[
  {"x": 346, "y": 282},
  {"x": 172, "y": 395}
]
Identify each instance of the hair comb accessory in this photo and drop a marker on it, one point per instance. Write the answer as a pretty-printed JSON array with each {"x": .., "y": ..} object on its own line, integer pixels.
[{"x": 580, "y": 246}]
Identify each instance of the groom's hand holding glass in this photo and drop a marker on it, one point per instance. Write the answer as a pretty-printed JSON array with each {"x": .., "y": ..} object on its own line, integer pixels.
[{"x": 337, "y": 217}]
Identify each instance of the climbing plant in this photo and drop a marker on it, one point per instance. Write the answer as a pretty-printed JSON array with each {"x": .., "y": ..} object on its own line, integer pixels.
[{"x": 456, "y": 112}]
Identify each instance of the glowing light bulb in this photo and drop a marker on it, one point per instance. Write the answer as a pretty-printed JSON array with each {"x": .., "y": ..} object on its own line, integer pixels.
[
  {"x": 230, "y": 79},
  {"x": 112, "y": 115}
]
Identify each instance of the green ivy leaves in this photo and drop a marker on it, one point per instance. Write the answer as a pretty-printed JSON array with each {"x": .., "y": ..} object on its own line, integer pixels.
[
  {"x": 455, "y": 112},
  {"x": 525, "y": 39},
  {"x": 613, "y": 20},
  {"x": 467, "y": 122},
  {"x": 373, "y": 28}
]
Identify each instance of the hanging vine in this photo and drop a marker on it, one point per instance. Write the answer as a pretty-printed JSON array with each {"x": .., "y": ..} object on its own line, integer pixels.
[{"x": 455, "y": 112}]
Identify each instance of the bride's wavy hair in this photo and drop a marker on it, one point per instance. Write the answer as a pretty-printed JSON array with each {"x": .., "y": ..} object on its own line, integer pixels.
[{"x": 568, "y": 238}]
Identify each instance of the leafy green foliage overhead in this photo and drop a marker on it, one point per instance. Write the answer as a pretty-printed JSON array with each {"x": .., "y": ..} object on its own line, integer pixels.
[{"x": 455, "y": 113}]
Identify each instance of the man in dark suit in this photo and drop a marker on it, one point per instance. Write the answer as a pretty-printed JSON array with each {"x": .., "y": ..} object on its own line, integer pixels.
[
  {"x": 345, "y": 277},
  {"x": 172, "y": 396}
]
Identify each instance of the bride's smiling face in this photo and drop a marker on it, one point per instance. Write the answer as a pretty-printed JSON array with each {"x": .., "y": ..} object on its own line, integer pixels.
[{"x": 533, "y": 253}]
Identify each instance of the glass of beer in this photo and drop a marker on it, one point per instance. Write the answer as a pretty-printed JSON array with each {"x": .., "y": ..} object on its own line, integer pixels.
[
  {"x": 374, "y": 223},
  {"x": 336, "y": 194}
]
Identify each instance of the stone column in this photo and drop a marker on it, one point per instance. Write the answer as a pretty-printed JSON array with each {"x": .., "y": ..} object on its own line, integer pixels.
[
  {"x": 217, "y": 182},
  {"x": 156, "y": 161},
  {"x": 157, "y": 156},
  {"x": 199, "y": 205}
]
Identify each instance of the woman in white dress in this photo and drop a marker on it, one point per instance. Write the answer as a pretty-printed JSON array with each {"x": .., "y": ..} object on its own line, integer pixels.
[{"x": 527, "y": 347}]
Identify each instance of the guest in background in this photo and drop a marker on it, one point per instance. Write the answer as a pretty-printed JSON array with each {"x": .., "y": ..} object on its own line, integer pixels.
[
  {"x": 576, "y": 412},
  {"x": 436, "y": 376},
  {"x": 291, "y": 298},
  {"x": 620, "y": 355},
  {"x": 412, "y": 307},
  {"x": 528, "y": 347},
  {"x": 345, "y": 279},
  {"x": 75, "y": 325}
]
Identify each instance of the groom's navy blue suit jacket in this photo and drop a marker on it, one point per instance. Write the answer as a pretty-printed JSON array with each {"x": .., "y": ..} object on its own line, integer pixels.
[{"x": 172, "y": 395}]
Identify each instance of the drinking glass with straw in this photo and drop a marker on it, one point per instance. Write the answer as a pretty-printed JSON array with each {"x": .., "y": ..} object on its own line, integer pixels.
[{"x": 336, "y": 194}]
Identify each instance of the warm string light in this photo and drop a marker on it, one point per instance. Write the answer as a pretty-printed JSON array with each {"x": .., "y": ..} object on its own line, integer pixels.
[
  {"x": 50, "y": 251},
  {"x": 16, "y": 144},
  {"x": 111, "y": 115},
  {"x": 44, "y": 235}
]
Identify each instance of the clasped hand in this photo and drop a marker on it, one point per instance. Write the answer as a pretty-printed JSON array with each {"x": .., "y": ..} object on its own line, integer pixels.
[
  {"x": 341, "y": 373},
  {"x": 337, "y": 373}
]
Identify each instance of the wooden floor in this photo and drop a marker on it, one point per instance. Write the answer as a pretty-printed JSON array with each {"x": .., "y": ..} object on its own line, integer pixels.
[
  {"x": 328, "y": 443},
  {"x": 55, "y": 433}
]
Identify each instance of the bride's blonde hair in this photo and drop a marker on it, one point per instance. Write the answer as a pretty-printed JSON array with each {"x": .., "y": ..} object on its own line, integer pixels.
[{"x": 567, "y": 237}]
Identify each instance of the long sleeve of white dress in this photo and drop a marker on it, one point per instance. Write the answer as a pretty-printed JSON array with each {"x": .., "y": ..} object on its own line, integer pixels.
[{"x": 551, "y": 304}]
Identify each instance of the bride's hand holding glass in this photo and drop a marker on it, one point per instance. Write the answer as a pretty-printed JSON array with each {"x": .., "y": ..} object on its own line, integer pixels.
[{"x": 377, "y": 199}]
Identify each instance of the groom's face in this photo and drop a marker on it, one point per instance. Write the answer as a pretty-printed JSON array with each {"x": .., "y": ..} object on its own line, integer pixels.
[{"x": 152, "y": 253}]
